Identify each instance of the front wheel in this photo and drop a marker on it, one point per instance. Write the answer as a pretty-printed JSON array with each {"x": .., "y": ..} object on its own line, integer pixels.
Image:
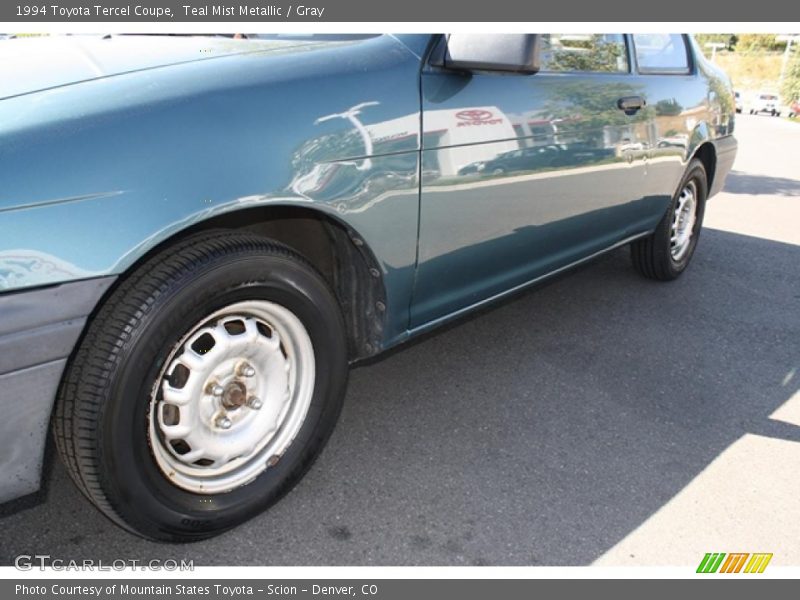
[
  {"x": 666, "y": 253},
  {"x": 204, "y": 388}
]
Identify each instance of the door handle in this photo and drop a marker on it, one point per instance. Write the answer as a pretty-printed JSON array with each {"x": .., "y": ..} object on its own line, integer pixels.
[{"x": 631, "y": 104}]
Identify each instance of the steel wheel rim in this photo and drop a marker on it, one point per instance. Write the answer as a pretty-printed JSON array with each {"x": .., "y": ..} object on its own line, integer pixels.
[
  {"x": 684, "y": 218},
  {"x": 233, "y": 395}
]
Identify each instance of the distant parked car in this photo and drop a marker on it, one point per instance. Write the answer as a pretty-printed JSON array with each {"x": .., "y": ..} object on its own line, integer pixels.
[
  {"x": 199, "y": 235},
  {"x": 523, "y": 159},
  {"x": 738, "y": 101},
  {"x": 766, "y": 103},
  {"x": 794, "y": 109},
  {"x": 673, "y": 141}
]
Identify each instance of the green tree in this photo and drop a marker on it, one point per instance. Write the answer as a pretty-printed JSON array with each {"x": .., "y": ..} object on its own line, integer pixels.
[
  {"x": 790, "y": 90},
  {"x": 754, "y": 42},
  {"x": 668, "y": 107},
  {"x": 597, "y": 53}
]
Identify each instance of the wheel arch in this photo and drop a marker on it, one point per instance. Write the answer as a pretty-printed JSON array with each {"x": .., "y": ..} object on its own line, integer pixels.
[
  {"x": 333, "y": 248},
  {"x": 706, "y": 153},
  {"x": 701, "y": 147}
]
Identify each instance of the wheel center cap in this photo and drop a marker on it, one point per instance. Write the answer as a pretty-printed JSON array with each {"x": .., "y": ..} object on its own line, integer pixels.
[{"x": 235, "y": 395}]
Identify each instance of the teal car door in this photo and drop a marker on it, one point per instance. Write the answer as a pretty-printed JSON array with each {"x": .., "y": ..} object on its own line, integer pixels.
[{"x": 524, "y": 174}]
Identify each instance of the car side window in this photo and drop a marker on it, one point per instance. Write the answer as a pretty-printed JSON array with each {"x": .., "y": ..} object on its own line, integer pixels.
[
  {"x": 584, "y": 52},
  {"x": 661, "y": 53}
]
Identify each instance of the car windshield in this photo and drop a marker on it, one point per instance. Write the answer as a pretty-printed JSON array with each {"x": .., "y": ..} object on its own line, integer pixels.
[{"x": 768, "y": 97}]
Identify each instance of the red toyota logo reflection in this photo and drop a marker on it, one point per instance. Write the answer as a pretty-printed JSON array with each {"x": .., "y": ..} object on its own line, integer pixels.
[{"x": 474, "y": 115}]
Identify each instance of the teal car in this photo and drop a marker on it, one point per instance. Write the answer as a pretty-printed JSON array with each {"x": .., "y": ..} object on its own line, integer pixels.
[{"x": 200, "y": 235}]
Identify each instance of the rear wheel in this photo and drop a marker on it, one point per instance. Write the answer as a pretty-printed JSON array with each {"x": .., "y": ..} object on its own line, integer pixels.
[
  {"x": 666, "y": 253},
  {"x": 204, "y": 388}
]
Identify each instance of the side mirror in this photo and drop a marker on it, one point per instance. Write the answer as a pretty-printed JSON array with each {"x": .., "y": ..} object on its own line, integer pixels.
[{"x": 511, "y": 53}]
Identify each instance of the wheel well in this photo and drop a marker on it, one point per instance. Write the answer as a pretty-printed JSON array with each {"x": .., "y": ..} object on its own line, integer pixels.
[
  {"x": 707, "y": 155},
  {"x": 335, "y": 250}
]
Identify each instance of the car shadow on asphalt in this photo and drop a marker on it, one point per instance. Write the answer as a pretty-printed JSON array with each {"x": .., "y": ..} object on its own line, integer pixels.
[
  {"x": 538, "y": 433},
  {"x": 739, "y": 182}
]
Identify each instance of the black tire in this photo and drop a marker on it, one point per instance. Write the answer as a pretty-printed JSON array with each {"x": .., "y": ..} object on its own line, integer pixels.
[
  {"x": 651, "y": 255},
  {"x": 104, "y": 401}
]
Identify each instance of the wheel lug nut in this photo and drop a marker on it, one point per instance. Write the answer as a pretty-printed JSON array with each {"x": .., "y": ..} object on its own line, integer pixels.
[
  {"x": 246, "y": 371},
  {"x": 254, "y": 403},
  {"x": 216, "y": 389},
  {"x": 223, "y": 422}
]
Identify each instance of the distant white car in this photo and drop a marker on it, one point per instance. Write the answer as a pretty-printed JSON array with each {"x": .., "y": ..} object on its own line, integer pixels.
[{"x": 766, "y": 102}]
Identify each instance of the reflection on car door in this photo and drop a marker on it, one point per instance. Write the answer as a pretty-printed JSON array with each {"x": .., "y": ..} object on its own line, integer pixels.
[
  {"x": 678, "y": 101},
  {"x": 524, "y": 174}
]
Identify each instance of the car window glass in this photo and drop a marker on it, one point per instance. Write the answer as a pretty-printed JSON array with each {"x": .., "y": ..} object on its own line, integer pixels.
[
  {"x": 661, "y": 52},
  {"x": 587, "y": 52}
]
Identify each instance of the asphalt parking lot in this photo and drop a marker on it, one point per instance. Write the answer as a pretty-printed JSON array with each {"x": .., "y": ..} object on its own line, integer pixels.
[{"x": 601, "y": 418}]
